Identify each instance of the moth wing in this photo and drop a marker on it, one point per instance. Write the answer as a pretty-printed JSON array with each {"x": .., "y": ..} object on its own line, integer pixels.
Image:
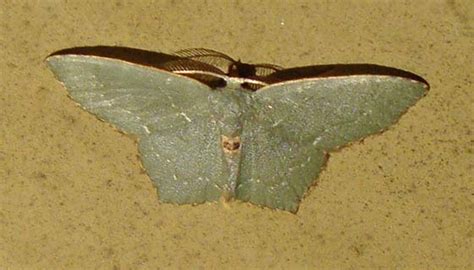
[
  {"x": 275, "y": 170},
  {"x": 187, "y": 164},
  {"x": 294, "y": 123},
  {"x": 170, "y": 114},
  {"x": 136, "y": 99}
]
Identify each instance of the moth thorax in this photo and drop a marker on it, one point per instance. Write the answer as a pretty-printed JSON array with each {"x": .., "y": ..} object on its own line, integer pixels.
[{"x": 230, "y": 145}]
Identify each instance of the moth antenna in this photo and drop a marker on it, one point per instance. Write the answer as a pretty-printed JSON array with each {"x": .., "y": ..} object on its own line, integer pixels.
[
  {"x": 197, "y": 52},
  {"x": 263, "y": 70},
  {"x": 253, "y": 86},
  {"x": 190, "y": 65},
  {"x": 207, "y": 56},
  {"x": 202, "y": 72}
]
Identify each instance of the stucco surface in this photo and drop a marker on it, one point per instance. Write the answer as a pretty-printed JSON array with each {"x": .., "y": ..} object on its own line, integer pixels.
[{"x": 73, "y": 194}]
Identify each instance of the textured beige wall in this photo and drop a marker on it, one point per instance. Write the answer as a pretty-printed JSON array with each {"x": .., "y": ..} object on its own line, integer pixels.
[{"x": 72, "y": 194}]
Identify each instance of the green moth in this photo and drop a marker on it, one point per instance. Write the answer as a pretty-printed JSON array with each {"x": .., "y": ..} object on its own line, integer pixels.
[{"x": 211, "y": 127}]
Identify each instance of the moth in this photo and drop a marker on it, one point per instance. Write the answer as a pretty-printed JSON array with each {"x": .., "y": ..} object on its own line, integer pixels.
[{"x": 211, "y": 127}]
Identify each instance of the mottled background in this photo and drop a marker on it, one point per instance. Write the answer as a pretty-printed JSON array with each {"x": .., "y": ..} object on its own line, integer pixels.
[{"x": 73, "y": 194}]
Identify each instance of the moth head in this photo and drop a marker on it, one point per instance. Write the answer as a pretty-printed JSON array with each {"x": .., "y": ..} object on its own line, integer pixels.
[{"x": 241, "y": 70}]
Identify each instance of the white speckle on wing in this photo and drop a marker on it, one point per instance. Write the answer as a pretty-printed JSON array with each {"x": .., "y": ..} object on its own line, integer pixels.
[
  {"x": 174, "y": 177},
  {"x": 146, "y": 129},
  {"x": 185, "y": 116},
  {"x": 277, "y": 123},
  {"x": 103, "y": 103},
  {"x": 270, "y": 106},
  {"x": 317, "y": 140}
]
